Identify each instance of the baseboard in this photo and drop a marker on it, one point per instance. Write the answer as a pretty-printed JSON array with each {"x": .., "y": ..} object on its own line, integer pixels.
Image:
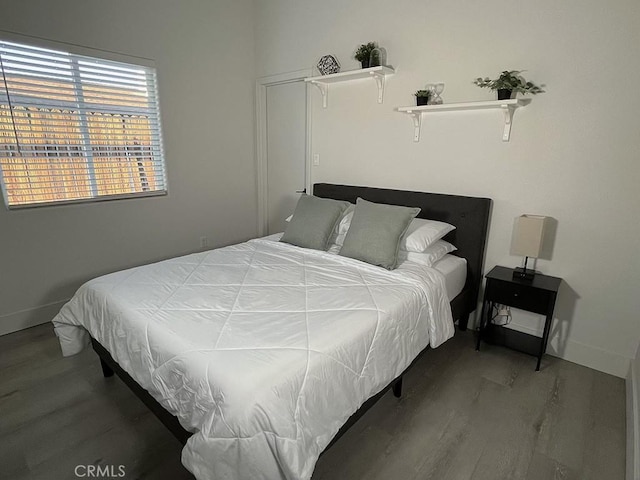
[
  {"x": 592, "y": 357},
  {"x": 582, "y": 354},
  {"x": 633, "y": 423},
  {"x": 30, "y": 317}
]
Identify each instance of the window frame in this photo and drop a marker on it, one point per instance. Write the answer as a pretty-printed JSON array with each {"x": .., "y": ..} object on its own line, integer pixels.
[{"x": 97, "y": 55}]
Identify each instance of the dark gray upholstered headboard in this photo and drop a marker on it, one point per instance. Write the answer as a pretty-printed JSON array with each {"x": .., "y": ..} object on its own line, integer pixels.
[{"x": 470, "y": 215}]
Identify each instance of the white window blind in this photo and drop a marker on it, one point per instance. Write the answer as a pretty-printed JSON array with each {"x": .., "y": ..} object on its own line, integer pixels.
[{"x": 76, "y": 128}]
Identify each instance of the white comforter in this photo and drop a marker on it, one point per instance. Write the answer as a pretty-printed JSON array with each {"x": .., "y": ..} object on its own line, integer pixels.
[{"x": 263, "y": 350}]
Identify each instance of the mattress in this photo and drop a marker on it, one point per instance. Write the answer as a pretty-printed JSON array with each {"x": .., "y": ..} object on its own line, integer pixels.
[
  {"x": 454, "y": 269},
  {"x": 263, "y": 350}
]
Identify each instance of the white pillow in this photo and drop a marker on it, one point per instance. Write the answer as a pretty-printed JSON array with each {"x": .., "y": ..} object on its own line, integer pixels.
[
  {"x": 341, "y": 228},
  {"x": 430, "y": 256},
  {"x": 421, "y": 233},
  {"x": 338, "y": 239},
  {"x": 347, "y": 216}
]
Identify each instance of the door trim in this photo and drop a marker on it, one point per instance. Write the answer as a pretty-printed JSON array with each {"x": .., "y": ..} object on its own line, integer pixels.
[{"x": 261, "y": 138}]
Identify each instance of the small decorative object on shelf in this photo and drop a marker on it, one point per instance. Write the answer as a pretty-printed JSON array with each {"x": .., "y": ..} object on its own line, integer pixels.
[
  {"x": 328, "y": 65},
  {"x": 436, "y": 90},
  {"x": 378, "y": 57},
  {"x": 363, "y": 53},
  {"x": 422, "y": 97},
  {"x": 509, "y": 83}
]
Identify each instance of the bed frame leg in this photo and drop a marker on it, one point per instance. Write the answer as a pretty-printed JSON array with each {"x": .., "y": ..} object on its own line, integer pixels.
[
  {"x": 397, "y": 388},
  {"x": 462, "y": 322},
  {"x": 106, "y": 369}
]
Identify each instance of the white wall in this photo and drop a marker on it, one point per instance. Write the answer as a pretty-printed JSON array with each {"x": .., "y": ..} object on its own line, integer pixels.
[
  {"x": 204, "y": 54},
  {"x": 573, "y": 154}
]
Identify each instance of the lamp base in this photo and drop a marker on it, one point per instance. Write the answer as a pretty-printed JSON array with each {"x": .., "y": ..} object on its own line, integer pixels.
[{"x": 520, "y": 273}]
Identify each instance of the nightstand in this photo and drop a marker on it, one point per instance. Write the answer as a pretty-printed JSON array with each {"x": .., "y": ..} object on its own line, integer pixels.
[{"x": 537, "y": 296}]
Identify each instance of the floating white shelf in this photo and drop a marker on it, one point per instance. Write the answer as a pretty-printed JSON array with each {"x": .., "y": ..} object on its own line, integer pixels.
[
  {"x": 377, "y": 73},
  {"x": 507, "y": 106}
]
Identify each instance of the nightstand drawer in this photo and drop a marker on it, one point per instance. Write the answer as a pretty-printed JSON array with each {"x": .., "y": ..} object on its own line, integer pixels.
[{"x": 518, "y": 296}]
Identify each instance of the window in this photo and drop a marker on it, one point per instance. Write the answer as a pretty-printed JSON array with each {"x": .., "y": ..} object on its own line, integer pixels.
[{"x": 76, "y": 128}]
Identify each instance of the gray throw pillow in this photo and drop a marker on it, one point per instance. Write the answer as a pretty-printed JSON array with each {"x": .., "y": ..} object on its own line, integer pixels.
[
  {"x": 375, "y": 232},
  {"x": 313, "y": 222}
]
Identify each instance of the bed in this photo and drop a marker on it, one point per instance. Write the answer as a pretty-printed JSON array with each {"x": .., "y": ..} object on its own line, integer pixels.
[{"x": 258, "y": 356}]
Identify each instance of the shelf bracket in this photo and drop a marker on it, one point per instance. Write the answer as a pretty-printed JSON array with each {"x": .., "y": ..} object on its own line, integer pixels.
[
  {"x": 380, "y": 83},
  {"x": 324, "y": 90},
  {"x": 417, "y": 124},
  {"x": 508, "y": 121}
]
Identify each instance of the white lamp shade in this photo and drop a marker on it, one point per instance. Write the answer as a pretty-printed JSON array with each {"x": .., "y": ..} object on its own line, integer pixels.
[{"x": 528, "y": 236}]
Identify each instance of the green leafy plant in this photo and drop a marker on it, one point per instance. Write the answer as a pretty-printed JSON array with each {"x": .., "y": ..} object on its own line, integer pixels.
[
  {"x": 510, "y": 80},
  {"x": 423, "y": 93},
  {"x": 364, "y": 51}
]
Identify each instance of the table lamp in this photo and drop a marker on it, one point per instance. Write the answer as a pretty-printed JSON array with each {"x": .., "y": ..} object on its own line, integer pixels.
[{"x": 528, "y": 238}]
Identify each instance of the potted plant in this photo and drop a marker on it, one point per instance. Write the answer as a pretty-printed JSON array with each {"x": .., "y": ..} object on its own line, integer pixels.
[
  {"x": 509, "y": 83},
  {"x": 422, "y": 97},
  {"x": 363, "y": 53}
]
